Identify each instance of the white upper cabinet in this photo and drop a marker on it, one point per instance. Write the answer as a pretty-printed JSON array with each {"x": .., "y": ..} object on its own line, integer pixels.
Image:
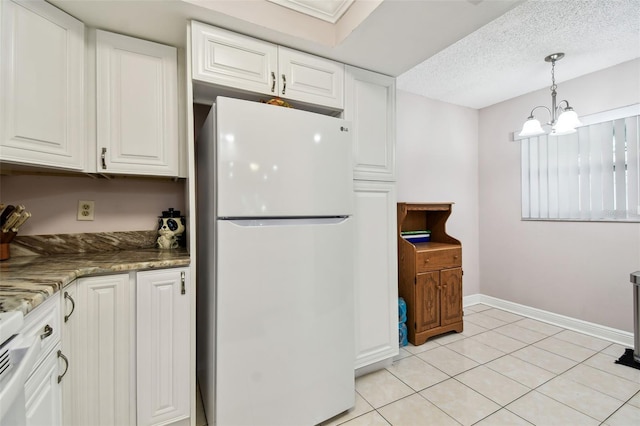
[
  {"x": 137, "y": 107},
  {"x": 310, "y": 79},
  {"x": 41, "y": 81},
  {"x": 233, "y": 60},
  {"x": 370, "y": 104},
  {"x": 239, "y": 62}
]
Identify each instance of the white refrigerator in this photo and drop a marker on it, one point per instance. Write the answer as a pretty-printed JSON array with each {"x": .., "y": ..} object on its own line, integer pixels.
[{"x": 274, "y": 265}]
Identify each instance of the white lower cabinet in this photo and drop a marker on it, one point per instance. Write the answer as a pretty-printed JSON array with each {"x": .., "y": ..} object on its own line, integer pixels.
[
  {"x": 127, "y": 341},
  {"x": 42, "y": 389},
  {"x": 106, "y": 332},
  {"x": 72, "y": 397},
  {"x": 163, "y": 342},
  {"x": 42, "y": 393},
  {"x": 376, "y": 272}
]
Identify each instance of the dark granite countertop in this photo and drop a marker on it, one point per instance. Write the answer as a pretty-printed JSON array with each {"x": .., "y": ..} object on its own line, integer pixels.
[{"x": 26, "y": 281}]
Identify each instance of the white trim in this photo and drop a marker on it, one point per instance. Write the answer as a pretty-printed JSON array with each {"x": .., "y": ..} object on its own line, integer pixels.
[{"x": 600, "y": 331}]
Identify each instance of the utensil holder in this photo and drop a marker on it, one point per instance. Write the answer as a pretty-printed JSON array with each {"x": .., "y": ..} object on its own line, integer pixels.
[
  {"x": 4, "y": 251},
  {"x": 5, "y": 241}
]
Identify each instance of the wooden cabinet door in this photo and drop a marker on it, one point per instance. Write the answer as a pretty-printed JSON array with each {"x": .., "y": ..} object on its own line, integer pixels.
[
  {"x": 163, "y": 346},
  {"x": 370, "y": 106},
  {"x": 41, "y": 82},
  {"x": 427, "y": 301},
  {"x": 233, "y": 60},
  {"x": 107, "y": 334},
  {"x": 310, "y": 79},
  {"x": 451, "y": 301},
  {"x": 376, "y": 289},
  {"x": 137, "y": 106}
]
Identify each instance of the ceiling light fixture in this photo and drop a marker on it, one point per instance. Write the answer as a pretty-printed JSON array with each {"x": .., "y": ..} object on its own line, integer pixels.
[{"x": 562, "y": 124}]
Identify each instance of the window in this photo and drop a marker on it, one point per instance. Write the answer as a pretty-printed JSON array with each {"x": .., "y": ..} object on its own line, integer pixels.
[{"x": 590, "y": 175}]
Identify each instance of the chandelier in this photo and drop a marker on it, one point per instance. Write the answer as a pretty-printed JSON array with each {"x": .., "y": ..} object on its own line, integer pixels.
[{"x": 564, "y": 119}]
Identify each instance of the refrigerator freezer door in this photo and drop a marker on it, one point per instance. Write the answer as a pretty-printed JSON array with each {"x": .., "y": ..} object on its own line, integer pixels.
[
  {"x": 281, "y": 162},
  {"x": 285, "y": 350}
]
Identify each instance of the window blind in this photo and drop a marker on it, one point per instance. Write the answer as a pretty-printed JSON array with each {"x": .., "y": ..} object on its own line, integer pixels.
[{"x": 590, "y": 175}]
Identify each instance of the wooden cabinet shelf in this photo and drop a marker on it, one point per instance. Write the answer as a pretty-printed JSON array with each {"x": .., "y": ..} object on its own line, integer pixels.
[{"x": 429, "y": 273}]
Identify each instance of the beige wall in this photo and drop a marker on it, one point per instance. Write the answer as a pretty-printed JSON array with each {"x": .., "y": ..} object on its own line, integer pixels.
[
  {"x": 437, "y": 157},
  {"x": 579, "y": 269},
  {"x": 121, "y": 204}
]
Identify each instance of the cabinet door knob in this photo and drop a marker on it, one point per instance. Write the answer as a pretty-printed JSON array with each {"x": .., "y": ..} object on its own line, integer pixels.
[
  {"x": 48, "y": 331},
  {"x": 284, "y": 83},
  {"x": 66, "y": 365},
  {"x": 73, "y": 306},
  {"x": 273, "y": 82}
]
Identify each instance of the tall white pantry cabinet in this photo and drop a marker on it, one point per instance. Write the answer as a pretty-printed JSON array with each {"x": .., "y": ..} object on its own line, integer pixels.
[{"x": 370, "y": 106}]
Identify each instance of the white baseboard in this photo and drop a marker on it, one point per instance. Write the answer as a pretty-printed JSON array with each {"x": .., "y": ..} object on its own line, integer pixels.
[{"x": 600, "y": 331}]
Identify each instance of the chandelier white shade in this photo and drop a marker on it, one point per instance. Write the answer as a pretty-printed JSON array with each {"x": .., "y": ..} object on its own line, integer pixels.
[{"x": 563, "y": 119}]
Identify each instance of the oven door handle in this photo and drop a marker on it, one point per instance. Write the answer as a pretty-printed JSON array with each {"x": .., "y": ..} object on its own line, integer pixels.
[{"x": 27, "y": 353}]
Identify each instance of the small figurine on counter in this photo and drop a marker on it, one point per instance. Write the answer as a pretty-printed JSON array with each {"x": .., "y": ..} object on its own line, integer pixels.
[{"x": 170, "y": 228}]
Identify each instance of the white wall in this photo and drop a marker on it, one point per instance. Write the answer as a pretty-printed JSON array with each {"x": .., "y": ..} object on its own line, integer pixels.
[
  {"x": 580, "y": 270},
  {"x": 437, "y": 151},
  {"x": 121, "y": 204}
]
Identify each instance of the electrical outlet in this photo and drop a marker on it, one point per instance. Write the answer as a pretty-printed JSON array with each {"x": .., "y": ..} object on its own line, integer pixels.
[{"x": 85, "y": 210}]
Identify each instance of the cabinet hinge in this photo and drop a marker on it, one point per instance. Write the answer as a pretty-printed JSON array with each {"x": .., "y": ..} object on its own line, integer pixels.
[
  {"x": 415, "y": 280},
  {"x": 415, "y": 326},
  {"x": 182, "y": 288}
]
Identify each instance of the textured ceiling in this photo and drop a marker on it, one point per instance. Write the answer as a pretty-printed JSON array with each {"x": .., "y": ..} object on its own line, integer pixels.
[{"x": 505, "y": 58}]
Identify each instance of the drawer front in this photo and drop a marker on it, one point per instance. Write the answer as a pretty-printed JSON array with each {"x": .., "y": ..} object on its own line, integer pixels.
[
  {"x": 44, "y": 322},
  {"x": 434, "y": 260}
]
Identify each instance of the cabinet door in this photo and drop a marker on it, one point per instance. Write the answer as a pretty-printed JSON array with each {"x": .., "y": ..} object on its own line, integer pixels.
[
  {"x": 163, "y": 342},
  {"x": 451, "y": 300},
  {"x": 427, "y": 301},
  {"x": 72, "y": 393},
  {"x": 137, "y": 107},
  {"x": 310, "y": 79},
  {"x": 370, "y": 104},
  {"x": 42, "y": 393},
  {"x": 106, "y": 332},
  {"x": 233, "y": 60},
  {"x": 376, "y": 272},
  {"x": 41, "y": 81}
]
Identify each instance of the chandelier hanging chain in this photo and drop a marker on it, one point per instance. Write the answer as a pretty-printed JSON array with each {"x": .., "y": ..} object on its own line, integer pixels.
[{"x": 553, "y": 76}]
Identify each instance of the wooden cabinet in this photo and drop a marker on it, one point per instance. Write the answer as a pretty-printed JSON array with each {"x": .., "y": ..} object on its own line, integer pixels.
[
  {"x": 429, "y": 273},
  {"x": 376, "y": 292},
  {"x": 244, "y": 63},
  {"x": 41, "y": 81},
  {"x": 370, "y": 106},
  {"x": 137, "y": 106},
  {"x": 163, "y": 346}
]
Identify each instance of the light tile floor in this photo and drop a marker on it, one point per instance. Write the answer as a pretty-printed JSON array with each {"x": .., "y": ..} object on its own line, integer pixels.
[{"x": 504, "y": 369}]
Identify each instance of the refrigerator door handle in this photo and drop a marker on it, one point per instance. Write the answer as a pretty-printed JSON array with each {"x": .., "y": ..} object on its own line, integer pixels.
[{"x": 287, "y": 221}]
